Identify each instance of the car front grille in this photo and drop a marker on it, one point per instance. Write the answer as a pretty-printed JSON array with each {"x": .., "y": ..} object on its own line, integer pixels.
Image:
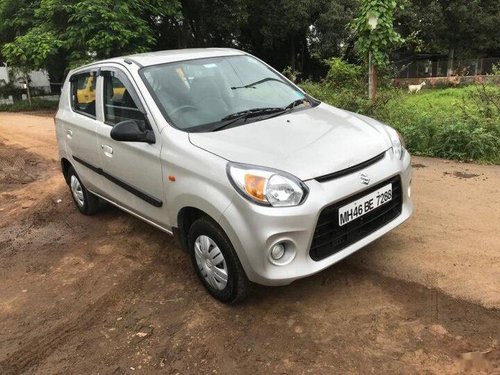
[
  {"x": 354, "y": 168},
  {"x": 329, "y": 238}
]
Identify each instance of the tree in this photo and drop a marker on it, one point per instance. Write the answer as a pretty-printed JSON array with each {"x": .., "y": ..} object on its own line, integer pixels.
[
  {"x": 330, "y": 34},
  {"x": 57, "y": 34},
  {"x": 99, "y": 29},
  {"x": 30, "y": 52},
  {"x": 277, "y": 31},
  {"x": 376, "y": 36},
  {"x": 463, "y": 26},
  {"x": 295, "y": 33},
  {"x": 16, "y": 18}
]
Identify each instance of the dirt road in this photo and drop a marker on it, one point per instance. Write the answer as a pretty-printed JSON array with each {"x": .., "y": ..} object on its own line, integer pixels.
[{"x": 110, "y": 294}]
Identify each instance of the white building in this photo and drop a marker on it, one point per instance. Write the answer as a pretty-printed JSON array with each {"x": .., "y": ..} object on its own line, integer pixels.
[
  {"x": 4, "y": 75},
  {"x": 39, "y": 79}
]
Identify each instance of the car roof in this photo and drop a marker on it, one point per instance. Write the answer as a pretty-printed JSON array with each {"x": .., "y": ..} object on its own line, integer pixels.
[{"x": 163, "y": 57}]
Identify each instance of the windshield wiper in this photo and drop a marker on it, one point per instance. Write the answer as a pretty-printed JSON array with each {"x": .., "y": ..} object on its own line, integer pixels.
[
  {"x": 295, "y": 103},
  {"x": 290, "y": 107},
  {"x": 258, "y": 83},
  {"x": 254, "y": 112}
]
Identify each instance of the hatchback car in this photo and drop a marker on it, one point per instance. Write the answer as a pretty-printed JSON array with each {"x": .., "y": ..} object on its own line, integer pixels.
[{"x": 257, "y": 180}]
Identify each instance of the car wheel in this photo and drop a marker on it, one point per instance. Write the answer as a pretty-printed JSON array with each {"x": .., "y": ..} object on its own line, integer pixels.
[
  {"x": 216, "y": 262},
  {"x": 86, "y": 202}
]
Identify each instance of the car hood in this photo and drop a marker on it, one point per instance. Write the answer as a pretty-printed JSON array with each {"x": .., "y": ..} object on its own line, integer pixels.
[{"x": 306, "y": 143}]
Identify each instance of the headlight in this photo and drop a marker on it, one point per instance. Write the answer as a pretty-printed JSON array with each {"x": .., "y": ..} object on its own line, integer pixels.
[
  {"x": 266, "y": 186},
  {"x": 398, "y": 144}
]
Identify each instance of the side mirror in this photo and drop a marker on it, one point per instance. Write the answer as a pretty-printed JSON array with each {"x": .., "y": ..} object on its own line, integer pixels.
[{"x": 132, "y": 131}]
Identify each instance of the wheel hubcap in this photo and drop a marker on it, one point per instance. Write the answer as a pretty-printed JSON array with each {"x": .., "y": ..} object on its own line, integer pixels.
[
  {"x": 211, "y": 262},
  {"x": 76, "y": 190}
]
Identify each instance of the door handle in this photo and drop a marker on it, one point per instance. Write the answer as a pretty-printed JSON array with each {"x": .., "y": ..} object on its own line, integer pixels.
[
  {"x": 108, "y": 150},
  {"x": 69, "y": 133}
]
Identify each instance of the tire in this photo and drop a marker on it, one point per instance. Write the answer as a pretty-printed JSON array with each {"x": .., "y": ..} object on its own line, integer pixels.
[
  {"x": 86, "y": 202},
  {"x": 205, "y": 234}
]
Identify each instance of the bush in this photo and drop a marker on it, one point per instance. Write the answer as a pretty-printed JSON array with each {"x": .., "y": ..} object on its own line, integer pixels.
[
  {"x": 459, "y": 140},
  {"x": 420, "y": 137},
  {"x": 292, "y": 75},
  {"x": 37, "y": 105},
  {"x": 9, "y": 89},
  {"x": 481, "y": 104},
  {"x": 342, "y": 75}
]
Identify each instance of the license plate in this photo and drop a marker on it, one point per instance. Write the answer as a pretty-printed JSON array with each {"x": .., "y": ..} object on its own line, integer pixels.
[{"x": 364, "y": 205}]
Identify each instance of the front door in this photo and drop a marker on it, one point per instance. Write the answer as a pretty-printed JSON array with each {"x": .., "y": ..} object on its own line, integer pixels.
[{"x": 131, "y": 171}]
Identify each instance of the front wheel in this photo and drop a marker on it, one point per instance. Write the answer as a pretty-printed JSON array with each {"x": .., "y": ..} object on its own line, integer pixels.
[{"x": 216, "y": 262}]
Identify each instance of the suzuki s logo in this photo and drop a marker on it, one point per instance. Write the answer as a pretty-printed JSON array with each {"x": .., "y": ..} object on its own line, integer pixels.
[{"x": 364, "y": 178}]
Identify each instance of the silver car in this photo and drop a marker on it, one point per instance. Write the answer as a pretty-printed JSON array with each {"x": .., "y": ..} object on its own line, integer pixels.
[{"x": 258, "y": 181}]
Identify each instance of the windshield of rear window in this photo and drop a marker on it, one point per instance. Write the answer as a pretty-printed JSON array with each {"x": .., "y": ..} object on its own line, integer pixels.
[{"x": 199, "y": 95}]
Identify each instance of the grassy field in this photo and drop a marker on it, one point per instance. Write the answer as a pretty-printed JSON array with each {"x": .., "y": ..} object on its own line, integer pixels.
[
  {"x": 464, "y": 102},
  {"x": 457, "y": 123}
]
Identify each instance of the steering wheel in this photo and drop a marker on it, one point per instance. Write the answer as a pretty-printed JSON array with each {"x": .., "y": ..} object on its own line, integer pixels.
[{"x": 182, "y": 108}]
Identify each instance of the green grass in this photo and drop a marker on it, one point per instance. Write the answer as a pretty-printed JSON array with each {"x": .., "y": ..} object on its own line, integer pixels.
[
  {"x": 437, "y": 100},
  {"x": 23, "y": 106},
  {"x": 449, "y": 102},
  {"x": 456, "y": 123}
]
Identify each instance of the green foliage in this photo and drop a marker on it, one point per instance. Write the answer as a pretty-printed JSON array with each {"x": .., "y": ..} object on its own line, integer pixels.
[
  {"x": 343, "y": 86},
  {"x": 496, "y": 69},
  {"x": 468, "y": 27},
  {"x": 342, "y": 98},
  {"x": 331, "y": 35},
  {"x": 78, "y": 31},
  {"x": 31, "y": 50},
  {"x": 16, "y": 18},
  {"x": 100, "y": 29},
  {"x": 481, "y": 104},
  {"x": 466, "y": 141},
  {"x": 448, "y": 123},
  {"x": 24, "y": 106},
  {"x": 341, "y": 74},
  {"x": 208, "y": 23},
  {"x": 291, "y": 74},
  {"x": 295, "y": 33},
  {"x": 381, "y": 40},
  {"x": 277, "y": 30}
]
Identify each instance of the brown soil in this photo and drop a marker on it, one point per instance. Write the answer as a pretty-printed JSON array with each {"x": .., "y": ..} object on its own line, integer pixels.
[
  {"x": 110, "y": 294},
  {"x": 18, "y": 167}
]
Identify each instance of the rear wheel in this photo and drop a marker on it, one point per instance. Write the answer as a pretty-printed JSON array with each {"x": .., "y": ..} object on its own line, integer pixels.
[
  {"x": 216, "y": 262},
  {"x": 86, "y": 202}
]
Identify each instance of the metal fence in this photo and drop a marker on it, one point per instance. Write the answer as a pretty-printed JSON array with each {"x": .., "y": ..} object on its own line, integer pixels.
[{"x": 418, "y": 67}]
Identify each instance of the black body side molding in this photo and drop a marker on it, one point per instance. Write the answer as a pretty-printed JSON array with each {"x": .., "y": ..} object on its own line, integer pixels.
[{"x": 144, "y": 196}]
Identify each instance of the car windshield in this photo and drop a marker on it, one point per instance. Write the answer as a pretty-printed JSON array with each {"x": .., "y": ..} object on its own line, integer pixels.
[{"x": 215, "y": 93}]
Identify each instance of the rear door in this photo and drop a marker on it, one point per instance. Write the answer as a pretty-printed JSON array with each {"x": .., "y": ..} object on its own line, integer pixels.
[
  {"x": 131, "y": 171},
  {"x": 80, "y": 124}
]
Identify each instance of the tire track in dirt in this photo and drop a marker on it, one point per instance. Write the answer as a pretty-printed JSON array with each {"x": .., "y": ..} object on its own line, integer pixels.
[{"x": 43, "y": 345}]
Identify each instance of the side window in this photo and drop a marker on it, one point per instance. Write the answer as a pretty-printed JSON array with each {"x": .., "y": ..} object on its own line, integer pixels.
[
  {"x": 83, "y": 90},
  {"x": 119, "y": 104}
]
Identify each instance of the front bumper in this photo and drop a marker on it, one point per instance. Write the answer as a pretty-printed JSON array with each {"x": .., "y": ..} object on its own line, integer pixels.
[{"x": 254, "y": 229}]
